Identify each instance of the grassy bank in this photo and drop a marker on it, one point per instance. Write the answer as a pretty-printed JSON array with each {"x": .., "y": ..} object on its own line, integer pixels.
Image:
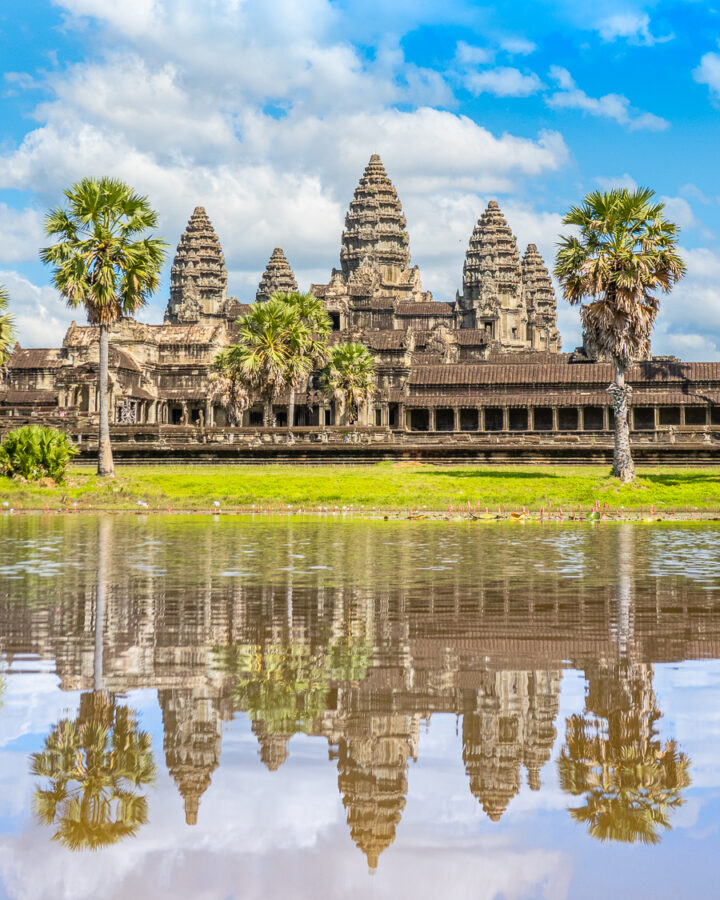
[{"x": 385, "y": 486}]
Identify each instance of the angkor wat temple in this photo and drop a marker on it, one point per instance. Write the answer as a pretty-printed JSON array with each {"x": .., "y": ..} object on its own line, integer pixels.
[{"x": 483, "y": 370}]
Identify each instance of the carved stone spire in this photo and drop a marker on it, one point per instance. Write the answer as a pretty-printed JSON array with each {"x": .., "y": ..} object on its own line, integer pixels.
[
  {"x": 540, "y": 301},
  {"x": 492, "y": 281},
  {"x": 373, "y": 759},
  {"x": 278, "y": 276},
  {"x": 192, "y": 743},
  {"x": 374, "y": 235},
  {"x": 198, "y": 281}
]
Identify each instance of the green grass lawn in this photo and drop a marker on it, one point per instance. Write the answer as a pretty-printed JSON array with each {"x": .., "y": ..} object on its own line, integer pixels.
[{"x": 385, "y": 486}]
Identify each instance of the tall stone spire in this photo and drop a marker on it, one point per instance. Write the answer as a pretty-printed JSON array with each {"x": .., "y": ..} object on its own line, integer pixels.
[
  {"x": 278, "y": 276},
  {"x": 198, "y": 281},
  {"x": 492, "y": 281},
  {"x": 192, "y": 742},
  {"x": 540, "y": 301},
  {"x": 374, "y": 235}
]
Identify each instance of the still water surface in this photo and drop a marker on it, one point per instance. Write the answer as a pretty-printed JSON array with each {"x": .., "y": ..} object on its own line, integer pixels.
[{"x": 228, "y": 708}]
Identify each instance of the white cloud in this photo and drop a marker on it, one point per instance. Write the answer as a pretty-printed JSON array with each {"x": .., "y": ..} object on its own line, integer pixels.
[
  {"x": 519, "y": 46},
  {"x": 634, "y": 27},
  {"x": 689, "y": 321},
  {"x": 469, "y": 55},
  {"x": 612, "y": 182},
  {"x": 708, "y": 72},
  {"x": 610, "y": 106},
  {"x": 41, "y": 317},
  {"x": 678, "y": 210},
  {"x": 503, "y": 81},
  {"x": 22, "y": 233}
]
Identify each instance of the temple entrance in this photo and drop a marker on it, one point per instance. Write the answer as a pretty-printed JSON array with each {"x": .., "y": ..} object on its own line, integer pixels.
[{"x": 419, "y": 420}]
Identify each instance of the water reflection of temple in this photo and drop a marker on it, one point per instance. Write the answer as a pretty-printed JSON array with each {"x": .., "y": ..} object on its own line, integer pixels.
[{"x": 359, "y": 664}]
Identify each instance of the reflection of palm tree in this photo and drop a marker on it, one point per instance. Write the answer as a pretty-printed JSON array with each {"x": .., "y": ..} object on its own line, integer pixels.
[
  {"x": 285, "y": 688},
  {"x": 94, "y": 764},
  {"x": 613, "y": 758}
]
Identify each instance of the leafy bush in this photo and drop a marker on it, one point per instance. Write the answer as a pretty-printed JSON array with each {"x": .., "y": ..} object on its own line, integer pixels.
[{"x": 34, "y": 452}]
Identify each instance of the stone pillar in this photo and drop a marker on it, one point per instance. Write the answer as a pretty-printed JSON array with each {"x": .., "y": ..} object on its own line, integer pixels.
[
  {"x": 208, "y": 413},
  {"x": 555, "y": 420},
  {"x": 506, "y": 418},
  {"x": 581, "y": 419},
  {"x": 481, "y": 418},
  {"x": 656, "y": 417},
  {"x": 456, "y": 418}
]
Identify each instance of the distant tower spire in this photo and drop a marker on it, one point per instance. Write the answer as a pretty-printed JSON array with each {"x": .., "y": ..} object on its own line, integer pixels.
[
  {"x": 278, "y": 276},
  {"x": 541, "y": 302},
  {"x": 198, "y": 281}
]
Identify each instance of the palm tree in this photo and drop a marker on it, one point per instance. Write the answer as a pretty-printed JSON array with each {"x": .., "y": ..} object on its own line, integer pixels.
[
  {"x": 311, "y": 312},
  {"x": 104, "y": 261},
  {"x": 94, "y": 765},
  {"x": 613, "y": 759},
  {"x": 349, "y": 378},
  {"x": 228, "y": 389},
  {"x": 7, "y": 331},
  {"x": 271, "y": 340},
  {"x": 625, "y": 254}
]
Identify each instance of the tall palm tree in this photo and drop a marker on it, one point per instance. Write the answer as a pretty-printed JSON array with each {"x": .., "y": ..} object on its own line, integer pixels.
[
  {"x": 613, "y": 759},
  {"x": 104, "y": 261},
  {"x": 312, "y": 312},
  {"x": 228, "y": 389},
  {"x": 7, "y": 331},
  {"x": 94, "y": 766},
  {"x": 349, "y": 378},
  {"x": 625, "y": 254},
  {"x": 271, "y": 339}
]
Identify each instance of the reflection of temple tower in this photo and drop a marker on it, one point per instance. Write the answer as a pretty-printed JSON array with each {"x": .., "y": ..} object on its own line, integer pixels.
[
  {"x": 512, "y": 724},
  {"x": 193, "y": 736},
  {"x": 373, "y": 754},
  {"x": 273, "y": 747}
]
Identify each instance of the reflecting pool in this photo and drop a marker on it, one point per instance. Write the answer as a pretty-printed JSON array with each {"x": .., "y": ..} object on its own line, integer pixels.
[{"x": 198, "y": 707}]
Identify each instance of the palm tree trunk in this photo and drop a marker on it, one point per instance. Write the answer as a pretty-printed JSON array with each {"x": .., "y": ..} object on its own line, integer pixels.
[
  {"x": 623, "y": 466},
  {"x": 268, "y": 416},
  {"x": 291, "y": 409},
  {"x": 105, "y": 458},
  {"x": 104, "y": 525}
]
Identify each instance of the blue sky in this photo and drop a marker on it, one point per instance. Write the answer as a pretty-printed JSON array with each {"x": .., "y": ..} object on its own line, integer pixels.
[{"x": 266, "y": 113}]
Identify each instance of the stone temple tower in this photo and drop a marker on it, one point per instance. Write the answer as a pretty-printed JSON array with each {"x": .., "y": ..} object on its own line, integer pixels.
[
  {"x": 198, "y": 281},
  {"x": 492, "y": 296},
  {"x": 278, "y": 276},
  {"x": 375, "y": 234},
  {"x": 541, "y": 303}
]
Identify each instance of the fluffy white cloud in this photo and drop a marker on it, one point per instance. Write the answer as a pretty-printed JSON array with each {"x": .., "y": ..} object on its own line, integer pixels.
[
  {"x": 22, "y": 234},
  {"x": 610, "y": 106},
  {"x": 708, "y": 72},
  {"x": 41, "y": 318},
  {"x": 633, "y": 26},
  {"x": 467, "y": 54},
  {"x": 503, "y": 81}
]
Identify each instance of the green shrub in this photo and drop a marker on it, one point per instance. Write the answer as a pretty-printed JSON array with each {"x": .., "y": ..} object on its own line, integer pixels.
[{"x": 34, "y": 452}]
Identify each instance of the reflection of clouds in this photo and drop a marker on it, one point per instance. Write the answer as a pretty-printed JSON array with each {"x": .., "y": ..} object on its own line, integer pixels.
[
  {"x": 32, "y": 702},
  {"x": 689, "y": 696}
]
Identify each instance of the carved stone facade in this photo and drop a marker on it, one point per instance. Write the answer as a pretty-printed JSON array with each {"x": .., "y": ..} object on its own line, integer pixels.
[{"x": 489, "y": 361}]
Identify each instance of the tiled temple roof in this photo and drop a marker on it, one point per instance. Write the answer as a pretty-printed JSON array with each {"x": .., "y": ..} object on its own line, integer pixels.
[
  {"x": 436, "y": 308},
  {"x": 559, "y": 373},
  {"x": 35, "y": 358}
]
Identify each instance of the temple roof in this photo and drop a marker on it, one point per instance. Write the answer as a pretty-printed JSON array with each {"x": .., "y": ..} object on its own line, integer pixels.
[
  {"x": 374, "y": 234},
  {"x": 278, "y": 276}
]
